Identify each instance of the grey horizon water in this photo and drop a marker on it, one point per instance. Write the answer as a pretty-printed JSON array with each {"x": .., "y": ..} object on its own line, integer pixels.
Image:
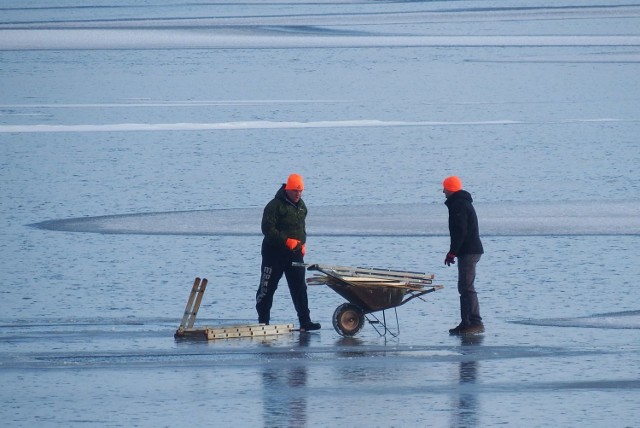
[{"x": 142, "y": 142}]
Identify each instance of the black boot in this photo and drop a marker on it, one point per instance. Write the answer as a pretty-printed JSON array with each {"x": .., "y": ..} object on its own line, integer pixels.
[{"x": 309, "y": 326}]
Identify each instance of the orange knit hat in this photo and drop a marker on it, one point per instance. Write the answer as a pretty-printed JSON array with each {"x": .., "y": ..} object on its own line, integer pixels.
[
  {"x": 452, "y": 184},
  {"x": 294, "y": 182}
]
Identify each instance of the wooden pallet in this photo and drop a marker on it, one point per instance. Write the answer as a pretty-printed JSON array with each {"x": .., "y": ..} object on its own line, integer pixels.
[
  {"x": 235, "y": 331},
  {"x": 255, "y": 330},
  {"x": 187, "y": 330}
]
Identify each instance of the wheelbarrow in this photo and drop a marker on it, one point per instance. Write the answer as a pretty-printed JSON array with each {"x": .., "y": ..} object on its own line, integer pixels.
[{"x": 370, "y": 290}]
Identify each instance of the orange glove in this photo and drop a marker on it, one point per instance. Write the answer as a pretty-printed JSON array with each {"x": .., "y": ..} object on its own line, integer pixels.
[
  {"x": 292, "y": 243},
  {"x": 303, "y": 249}
]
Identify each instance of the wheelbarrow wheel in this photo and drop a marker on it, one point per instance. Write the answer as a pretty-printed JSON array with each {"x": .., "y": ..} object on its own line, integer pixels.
[{"x": 348, "y": 319}]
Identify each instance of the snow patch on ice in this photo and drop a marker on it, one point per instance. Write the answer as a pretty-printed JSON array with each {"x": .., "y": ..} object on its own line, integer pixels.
[
  {"x": 172, "y": 38},
  {"x": 499, "y": 219},
  {"x": 366, "y": 123},
  {"x": 618, "y": 320}
]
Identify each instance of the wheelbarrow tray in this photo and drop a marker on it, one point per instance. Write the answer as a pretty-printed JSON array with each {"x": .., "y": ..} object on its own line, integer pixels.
[
  {"x": 369, "y": 297},
  {"x": 373, "y": 289},
  {"x": 369, "y": 290}
]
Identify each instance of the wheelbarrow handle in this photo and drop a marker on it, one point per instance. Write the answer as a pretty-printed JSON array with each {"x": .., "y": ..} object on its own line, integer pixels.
[{"x": 309, "y": 266}]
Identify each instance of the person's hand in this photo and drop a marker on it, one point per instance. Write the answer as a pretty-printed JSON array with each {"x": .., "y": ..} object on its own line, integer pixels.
[
  {"x": 292, "y": 244},
  {"x": 303, "y": 249},
  {"x": 450, "y": 259}
]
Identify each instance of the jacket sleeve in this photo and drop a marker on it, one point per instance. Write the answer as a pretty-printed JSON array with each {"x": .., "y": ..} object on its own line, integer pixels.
[
  {"x": 458, "y": 227},
  {"x": 270, "y": 225}
]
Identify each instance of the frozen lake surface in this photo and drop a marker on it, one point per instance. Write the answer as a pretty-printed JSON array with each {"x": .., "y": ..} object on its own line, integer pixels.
[{"x": 139, "y": 144}]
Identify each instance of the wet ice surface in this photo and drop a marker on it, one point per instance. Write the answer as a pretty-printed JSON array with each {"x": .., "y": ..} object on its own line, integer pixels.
[
  {"x": 511, "y": 375},
  {"x": 138, "y": 145}
]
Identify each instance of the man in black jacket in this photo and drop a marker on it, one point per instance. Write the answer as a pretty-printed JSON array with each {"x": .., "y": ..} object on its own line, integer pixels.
[
  {"x": 283, "y": 226},
  {"x": 467, "y": 247}
]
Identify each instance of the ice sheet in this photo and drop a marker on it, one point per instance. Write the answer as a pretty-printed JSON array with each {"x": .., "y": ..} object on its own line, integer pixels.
[{"x": 144, "y": 139}]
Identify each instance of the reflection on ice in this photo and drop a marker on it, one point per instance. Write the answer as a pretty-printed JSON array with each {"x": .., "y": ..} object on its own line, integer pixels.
[
  {"x": 499, "y": 219},
  {"x": 468, "y": 403}
]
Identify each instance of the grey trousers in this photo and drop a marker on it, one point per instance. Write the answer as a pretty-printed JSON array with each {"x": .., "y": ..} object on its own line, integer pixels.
[{"x": 469, "y": 306}]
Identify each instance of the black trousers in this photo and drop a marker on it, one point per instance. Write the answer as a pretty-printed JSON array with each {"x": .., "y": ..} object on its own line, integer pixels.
[
  {"x": 273, "y": 267},
  {"x": 469, "y": 306}
]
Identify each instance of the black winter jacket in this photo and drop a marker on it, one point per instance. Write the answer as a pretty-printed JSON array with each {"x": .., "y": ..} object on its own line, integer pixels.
[
  {"x": 283, "y": 219},
  {"x": 463, "y": 225}
]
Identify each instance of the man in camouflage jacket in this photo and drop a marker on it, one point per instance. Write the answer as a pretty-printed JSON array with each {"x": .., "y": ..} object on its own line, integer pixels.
[{"x": 284, "y": 242}]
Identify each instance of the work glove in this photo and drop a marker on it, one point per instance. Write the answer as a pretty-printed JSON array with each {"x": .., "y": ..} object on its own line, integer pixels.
[
  {"x": 292, "y": 244},
  {"x": 450, "y": 259},
  {"x": 303, "y": 249}
]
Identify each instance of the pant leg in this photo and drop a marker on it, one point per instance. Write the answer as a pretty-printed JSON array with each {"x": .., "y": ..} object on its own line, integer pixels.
[
  {"x": 298, "y": 290},
  {"x": 271, "y": 272},
  {"x": 469, "y": 305}
]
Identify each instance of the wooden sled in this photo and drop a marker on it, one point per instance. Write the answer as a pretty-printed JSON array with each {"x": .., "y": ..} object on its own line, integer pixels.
[{"x": 188, "y": 331}]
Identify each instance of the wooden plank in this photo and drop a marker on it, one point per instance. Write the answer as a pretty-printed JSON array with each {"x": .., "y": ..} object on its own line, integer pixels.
[
  {"x": 358, "y": 281},
  {"x": 365, "y": 279},
  {"x": 377, "y": 272},
  {"x": 367, "y": 282},
  {"x": 196, "y": 305},
  {"x": 372, "y": 279},
  {"x": 187, "y": 309}
]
